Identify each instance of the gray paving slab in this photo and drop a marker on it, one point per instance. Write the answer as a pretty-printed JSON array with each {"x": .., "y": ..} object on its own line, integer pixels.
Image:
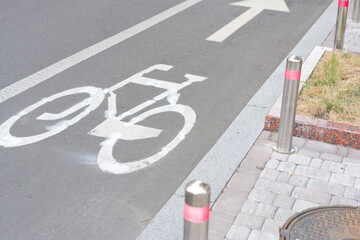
[
  {"x": 354, "y": 153},
  {"x": 249, "y": 206},
  {"x": 265, "y": 210},
  {"x": 326, "y": 186},
  {"x": 301, "y": 205},
  {"x": 236, "y": 192},
  {"x": 283, "y": 214},
  {"x": 238, "y": 232},
  {"x": 342, "y": 179},
  {"x": 249, "y": 220},
  {"x": 237, "y": 181},
  {"x": 313, "y": 172},
  {"x": 254, "y": 235},
  {"x": 352, "y": 193},
  {"x": 332, "y": 157},
  {"x": 273, "y": 186},
  {"x": 270, "y": 174},
  {"x": 262, "y": 196},
  {"x": 284, "y": 177},
  {"x": 300, "y": 159},
  {"x": 272, "y": 164},
  {"x": 309, "y": 152},
  {"x": 272, "y": 226},
  {"x": 336, "y": 200},
  {"x": 320, "y": 146},
  {"x": 343, "y": 151},
  {"x": 215, "y": 236},
  {"x": 298, "y": 180},
  {"x": 279, "y": 156},
  {"x": 229, "y": 204},
  {"x": 316, "y": 163},
  {"x": 298, "y": 142},
  {"x": 219, "y": 223},
  {"x": 353, "y": 171},
  {"x": 286, "y": 167},
  {"x": 284, "y": 201},
  {"x": 333, "y": 166},
  {"x": 311, "y": 195},
  {"x": 351, "y": 161}
]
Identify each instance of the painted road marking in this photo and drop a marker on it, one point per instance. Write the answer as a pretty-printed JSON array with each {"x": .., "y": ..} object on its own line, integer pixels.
[
  {"x": 113, "y": 128},
  {"x": 46, "y": 73},
  {"x": 256, "y": 7}
]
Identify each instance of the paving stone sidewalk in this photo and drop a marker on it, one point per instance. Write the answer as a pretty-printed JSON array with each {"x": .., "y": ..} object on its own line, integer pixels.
[
  {"x": 269, "y": 187},
  {"x": 352, "y": 34}
]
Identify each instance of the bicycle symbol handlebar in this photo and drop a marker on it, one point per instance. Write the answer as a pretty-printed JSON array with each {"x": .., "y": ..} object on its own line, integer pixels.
[{"x": 113, "y": 127}]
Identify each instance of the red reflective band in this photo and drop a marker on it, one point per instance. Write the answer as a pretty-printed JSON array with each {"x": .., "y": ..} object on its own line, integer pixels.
[
  {"x": 196, "y": 215},
  {"x": 292, "y": 75},
  {"x": 343, "y": 3}
]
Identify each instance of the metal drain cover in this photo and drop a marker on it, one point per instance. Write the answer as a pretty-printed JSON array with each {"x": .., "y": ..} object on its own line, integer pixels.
[{"x": 323, "y": 223}]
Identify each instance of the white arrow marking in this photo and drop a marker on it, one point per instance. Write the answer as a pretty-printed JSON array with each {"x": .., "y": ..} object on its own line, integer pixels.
[
  {"x": 234, "y": 25},
  {"x": 256, "y": 7}
]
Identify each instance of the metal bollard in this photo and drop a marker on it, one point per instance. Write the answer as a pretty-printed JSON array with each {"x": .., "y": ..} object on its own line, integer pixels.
[
  {"x": 341, "y": 24},
  {"x": 356, "y": 11},
  {"x": 288, "y": 106},
  {"x": 196, "y": 210}
]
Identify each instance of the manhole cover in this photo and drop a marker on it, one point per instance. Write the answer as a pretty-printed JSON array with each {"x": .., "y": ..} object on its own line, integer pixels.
[{"x": 323, "y": 223}]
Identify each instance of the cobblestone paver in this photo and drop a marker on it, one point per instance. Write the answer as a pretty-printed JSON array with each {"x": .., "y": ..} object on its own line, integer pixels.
[
  {"x": 352, "y": 36},
  {"x": 318, "y": 174}
]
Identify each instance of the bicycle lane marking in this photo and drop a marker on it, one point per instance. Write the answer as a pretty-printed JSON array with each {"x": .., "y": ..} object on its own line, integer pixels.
[
  {"x": 121, "y": 130},
  {"x": 113, "y": 128},
  {"x": 60, "y": 66}
]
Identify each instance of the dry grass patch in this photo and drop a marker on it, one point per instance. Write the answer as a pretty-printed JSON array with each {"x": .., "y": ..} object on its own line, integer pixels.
[{"x": 333, "y": 90}]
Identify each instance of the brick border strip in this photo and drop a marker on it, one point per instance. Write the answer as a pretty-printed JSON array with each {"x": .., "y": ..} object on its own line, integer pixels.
[
  {"x": 320, "y": 130},
  {"x": 311, "y": 128}
]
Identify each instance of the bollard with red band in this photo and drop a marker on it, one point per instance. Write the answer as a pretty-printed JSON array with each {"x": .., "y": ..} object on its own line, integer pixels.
[
  {"x": 341, "y": 24},
  {"x": 196, "y": 210},
  {"x": 343, "y": 3},
  {"x": 288, "y": 105}
]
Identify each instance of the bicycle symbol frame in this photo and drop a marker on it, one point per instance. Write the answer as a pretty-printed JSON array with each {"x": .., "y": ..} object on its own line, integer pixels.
[{"x": 113, "y": 127}]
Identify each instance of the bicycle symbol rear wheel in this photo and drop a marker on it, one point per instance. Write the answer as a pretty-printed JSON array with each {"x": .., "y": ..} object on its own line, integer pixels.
[{"x": 89, "y": 104}]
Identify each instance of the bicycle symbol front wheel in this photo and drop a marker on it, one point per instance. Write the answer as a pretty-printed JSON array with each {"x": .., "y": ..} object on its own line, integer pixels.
[{"x": 108, "y": 163}]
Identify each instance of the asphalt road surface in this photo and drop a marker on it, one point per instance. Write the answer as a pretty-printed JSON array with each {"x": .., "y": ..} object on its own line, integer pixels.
[{"x": 64, "y": 183}]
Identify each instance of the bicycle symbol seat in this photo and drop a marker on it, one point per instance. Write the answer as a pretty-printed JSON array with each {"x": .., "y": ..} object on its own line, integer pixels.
[{"x": 113, "y": 128}]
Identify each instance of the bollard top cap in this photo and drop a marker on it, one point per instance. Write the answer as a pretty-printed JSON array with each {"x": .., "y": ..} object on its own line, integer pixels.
[
  {"x": 294, "y": 59},
  {"x": 197, "y": 194},
  {"x": 294, "y": 63}
]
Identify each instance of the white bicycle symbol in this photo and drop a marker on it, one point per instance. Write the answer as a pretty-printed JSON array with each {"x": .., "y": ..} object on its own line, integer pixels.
[{"x": 113, "y": 128}]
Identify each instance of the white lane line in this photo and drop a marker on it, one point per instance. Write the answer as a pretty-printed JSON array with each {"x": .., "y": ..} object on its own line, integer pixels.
[{"x": 46, "y": 73}]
